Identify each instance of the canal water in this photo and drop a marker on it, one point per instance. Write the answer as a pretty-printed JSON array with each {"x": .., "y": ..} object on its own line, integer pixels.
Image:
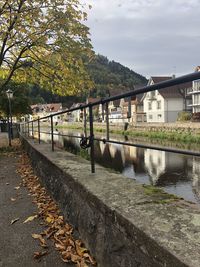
[{"x": 176, "y": 173}]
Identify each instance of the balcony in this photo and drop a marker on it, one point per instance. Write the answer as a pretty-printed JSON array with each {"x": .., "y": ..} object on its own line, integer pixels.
[{"x": 194, "y": 90}]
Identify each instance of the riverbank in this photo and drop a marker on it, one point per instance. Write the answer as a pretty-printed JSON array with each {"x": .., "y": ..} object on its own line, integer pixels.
[{"x": 185, "y": 133}]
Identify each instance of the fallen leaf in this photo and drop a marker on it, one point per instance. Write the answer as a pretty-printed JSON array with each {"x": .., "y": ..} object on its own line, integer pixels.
[
  {"x": 14, "y": 221},
  {"x": 42, "y": 241},
  {"x": 75, "y": 258},
  {"x": 30, "y": 219},
  {"x": 50, "y": 219},
  {"x": 86, "y": 255},
  {"x": 39, "y": 254},
  {"x": 60, "y": 247},
  {"x": 17, "y": 187},
  {"x": 7, "y": 183},
  {"x": 13, "y": 199}
]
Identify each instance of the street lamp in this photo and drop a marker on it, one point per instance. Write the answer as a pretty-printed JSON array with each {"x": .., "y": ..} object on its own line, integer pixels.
[{"x": 9, "y": 94}]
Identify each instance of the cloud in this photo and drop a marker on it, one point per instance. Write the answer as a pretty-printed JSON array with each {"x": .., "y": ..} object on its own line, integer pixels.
[{"x": 150, "y": 36}]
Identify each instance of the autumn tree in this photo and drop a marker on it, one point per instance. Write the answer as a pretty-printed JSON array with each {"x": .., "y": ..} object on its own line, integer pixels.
[{"x": 44, "y": 41}]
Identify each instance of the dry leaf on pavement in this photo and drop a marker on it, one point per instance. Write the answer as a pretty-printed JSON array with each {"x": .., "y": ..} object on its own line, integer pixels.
[
  {"x": 14, "y": 221},
  {"x": 57, "y": 229},
  {"x": 39, "y": 254},
  {"x": 41, "y": 239},
  {"x": 30, "y": 219},
  {"x": 17, "y": 187}
]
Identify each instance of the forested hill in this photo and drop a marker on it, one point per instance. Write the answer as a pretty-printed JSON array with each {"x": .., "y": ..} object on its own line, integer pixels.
[
  {"x": 110, "y": 75},
  {"x": 107, "y": 75}
]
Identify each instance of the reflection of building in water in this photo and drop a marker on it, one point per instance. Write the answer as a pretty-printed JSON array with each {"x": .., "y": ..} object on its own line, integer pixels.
[
  {"x": 162, "y": 165},
  {"x": 155, "y": 163},
  {"x": 196, "y": 176}
]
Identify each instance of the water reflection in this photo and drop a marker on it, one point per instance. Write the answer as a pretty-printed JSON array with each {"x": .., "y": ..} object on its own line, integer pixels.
[{"x": 176, "y": 173}]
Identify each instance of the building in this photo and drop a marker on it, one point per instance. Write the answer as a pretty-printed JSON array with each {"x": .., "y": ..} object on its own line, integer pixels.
[
  {"x": 165, "y": 104},
  {"x": 194, "y": 92},
  {"x": 132, "y": 109},
  {"x": 42, "y": 110},
  {"x": 114, "y": 109},
  {"x": 76, "y": 115}
]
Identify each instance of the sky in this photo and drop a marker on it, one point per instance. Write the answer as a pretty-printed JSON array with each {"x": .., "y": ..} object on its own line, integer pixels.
[{"x": 152, "y": 37}]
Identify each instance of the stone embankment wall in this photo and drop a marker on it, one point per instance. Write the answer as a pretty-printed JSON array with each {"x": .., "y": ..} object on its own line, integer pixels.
[{"x": 124, "y": 224}]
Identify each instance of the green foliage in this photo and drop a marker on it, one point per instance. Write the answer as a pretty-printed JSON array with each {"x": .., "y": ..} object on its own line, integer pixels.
[
  {"x": 20, "y": 102},
  {"x": 110, "y": 75},
  {"x": 38, "y": 95},
  {"x": 45, "y": 42},
  {"x": 184, "y": 116}
]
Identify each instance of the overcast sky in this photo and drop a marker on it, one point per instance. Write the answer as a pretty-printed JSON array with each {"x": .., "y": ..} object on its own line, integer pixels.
[{"x": 152, "y": 37}]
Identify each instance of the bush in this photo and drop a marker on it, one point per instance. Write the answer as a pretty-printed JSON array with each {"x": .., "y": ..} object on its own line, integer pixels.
[{"x": 184, "y": 116}]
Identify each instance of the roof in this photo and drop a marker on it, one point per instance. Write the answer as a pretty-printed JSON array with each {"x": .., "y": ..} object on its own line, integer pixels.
[
  {"x": 92, "y": 100},
  {"x": 171, "y": 91},
  {"x": 114, "y": 92},
  {"x": 52, "y": 107},
  {"x": 175, "y": 91},
  {"x": 159, "y": 79}
]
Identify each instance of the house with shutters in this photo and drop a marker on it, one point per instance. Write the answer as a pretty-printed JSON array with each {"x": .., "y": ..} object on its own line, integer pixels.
[{"x": 165, "y": 104}]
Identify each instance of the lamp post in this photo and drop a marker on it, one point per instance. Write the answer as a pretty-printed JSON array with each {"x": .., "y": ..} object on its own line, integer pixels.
[{"x": 9, "y": 94}]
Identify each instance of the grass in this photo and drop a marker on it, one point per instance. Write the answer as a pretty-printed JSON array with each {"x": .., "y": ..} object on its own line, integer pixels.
[
  {"x": 159, "y": 196},
  {"x": 176, "y": 136}
]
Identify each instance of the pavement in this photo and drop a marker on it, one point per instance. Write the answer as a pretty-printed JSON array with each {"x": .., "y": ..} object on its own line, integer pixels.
[{"x": 17, "y": 246}]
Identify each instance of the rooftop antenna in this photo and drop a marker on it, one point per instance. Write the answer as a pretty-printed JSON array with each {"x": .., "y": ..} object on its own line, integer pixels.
[{"x": 174, "y": 72}]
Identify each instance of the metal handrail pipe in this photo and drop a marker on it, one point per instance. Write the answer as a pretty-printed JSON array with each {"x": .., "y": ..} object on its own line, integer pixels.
[{"x": 172, "y": 150}]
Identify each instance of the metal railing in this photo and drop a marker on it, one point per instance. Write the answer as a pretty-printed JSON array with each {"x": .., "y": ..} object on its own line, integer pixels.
[{"x": 88, "y": 141}]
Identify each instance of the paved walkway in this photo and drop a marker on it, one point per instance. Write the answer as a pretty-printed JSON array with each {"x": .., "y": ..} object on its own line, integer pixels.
[
  {"x": 17, "y": 246},
  {"x": 3, "y": 139}
]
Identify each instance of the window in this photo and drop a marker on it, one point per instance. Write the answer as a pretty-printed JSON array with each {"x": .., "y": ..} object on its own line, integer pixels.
[
  {"x": 159, "y": 104},
  {"x": 152, "y": 94},
  {"x": 150, "y": 117},
  {"x": 149, "y": 105},
  {"x": 159, "y": 116},
  {"x": 139, "y": 118}
]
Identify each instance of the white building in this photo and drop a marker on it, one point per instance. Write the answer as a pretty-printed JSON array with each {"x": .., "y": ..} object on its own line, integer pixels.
[
  {"x": 164, "y": 105},
  {"x": 195, "y": 93}
]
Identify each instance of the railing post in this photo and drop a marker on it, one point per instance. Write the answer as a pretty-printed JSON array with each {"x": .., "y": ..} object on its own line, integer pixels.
[
  {"x": 9, "y": 131},
  {"x": 39, "y": 130},
  {"x": 85, "y": 122},
  {"x": 102, "y": 106},
  {"x": 91, "y": 140},
  {"x": 32, "y": 129},
  {"x": 52, "y": 139},
  {"x": 107, "y": 122},
  {"x": 129, "y": 109},
  {"x": 28, "y": 128}
]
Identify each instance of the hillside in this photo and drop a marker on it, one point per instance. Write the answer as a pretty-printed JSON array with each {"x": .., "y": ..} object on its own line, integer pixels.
[
  {"x": 110, "y": 75},
  {"x": 107, "y": 75}
]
